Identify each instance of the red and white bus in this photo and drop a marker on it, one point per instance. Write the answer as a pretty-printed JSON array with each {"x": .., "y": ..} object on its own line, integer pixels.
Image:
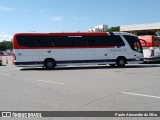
[
  {"x": 61, "y": 49},
  {"x": 151, "y": 47},
  {"x": 0, "y": 60}
]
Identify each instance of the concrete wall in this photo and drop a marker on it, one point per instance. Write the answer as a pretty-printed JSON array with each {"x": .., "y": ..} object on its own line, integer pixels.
[{"x": 152, "y": 26}]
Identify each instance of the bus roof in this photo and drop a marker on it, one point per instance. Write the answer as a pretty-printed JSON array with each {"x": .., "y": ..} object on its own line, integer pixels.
[{"x": 76, "y": 33}]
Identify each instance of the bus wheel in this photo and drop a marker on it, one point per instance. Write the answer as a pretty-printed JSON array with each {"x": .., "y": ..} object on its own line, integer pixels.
[
  {"x": 121, "y": 61},
  {"x": 49, "y": 63}
]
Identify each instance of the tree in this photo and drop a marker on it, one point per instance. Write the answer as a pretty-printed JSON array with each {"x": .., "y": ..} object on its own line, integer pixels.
[
  {"x": 113, "y": 29},
  {"x": 4, "y": 45}
]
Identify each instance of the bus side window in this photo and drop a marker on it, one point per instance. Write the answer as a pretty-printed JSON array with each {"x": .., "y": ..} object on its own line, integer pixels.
[
  {"x": 54, "y": 42},
  {"x": 79, "y": 41},
  {"x": 90, "y": 41},
  {"x": 116, "y": 40},
  {"x": 27, "y": 41},
  {"x": 45, "y": 42}
]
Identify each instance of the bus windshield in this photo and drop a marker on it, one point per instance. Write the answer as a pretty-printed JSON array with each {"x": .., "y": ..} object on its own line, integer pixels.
[{"x": 134, "y": 43}]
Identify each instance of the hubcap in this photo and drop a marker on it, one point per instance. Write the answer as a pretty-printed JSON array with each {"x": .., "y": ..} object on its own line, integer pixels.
[
  {"x": 121, "y": 62},
  {"x": 50, "y": 64}
]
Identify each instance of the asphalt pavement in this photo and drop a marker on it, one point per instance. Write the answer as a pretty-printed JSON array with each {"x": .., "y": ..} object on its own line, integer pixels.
[{"x": 84, "y": 88}]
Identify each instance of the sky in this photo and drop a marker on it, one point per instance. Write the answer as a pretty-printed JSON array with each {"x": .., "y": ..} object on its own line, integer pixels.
[{"x": 72, "y": 15}]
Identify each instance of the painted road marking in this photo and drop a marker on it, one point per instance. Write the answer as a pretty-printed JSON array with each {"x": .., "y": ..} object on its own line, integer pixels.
[
  {"x": 4, "y": 74},
  {"x": 141, "y": 95},
  {"x": 50, "y": 82}
]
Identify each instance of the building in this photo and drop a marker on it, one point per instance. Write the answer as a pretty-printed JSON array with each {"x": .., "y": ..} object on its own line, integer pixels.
[
  {"x": 99, "y": 28},
  {"x": 142, "y": 28}
]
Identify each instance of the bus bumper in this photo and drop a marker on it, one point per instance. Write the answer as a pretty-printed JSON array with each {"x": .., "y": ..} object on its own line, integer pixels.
[
  {"x": 136, "y": 61},
  {"x": 154, "y": 59}
]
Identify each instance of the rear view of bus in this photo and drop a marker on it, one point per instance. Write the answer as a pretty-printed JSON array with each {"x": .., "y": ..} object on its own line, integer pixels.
[{"x": 151, "y": 48}]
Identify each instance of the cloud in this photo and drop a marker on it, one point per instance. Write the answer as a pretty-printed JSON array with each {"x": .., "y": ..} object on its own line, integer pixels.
[
  {"x": 56, "y": 19},
  {"x": 4, "y": 36},
  {"x": 5, "y": 9}
]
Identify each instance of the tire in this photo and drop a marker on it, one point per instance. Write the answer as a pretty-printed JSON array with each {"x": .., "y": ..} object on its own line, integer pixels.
[
  {"x": 121, "y": 61},
  {"x": 49, "y": 64}
]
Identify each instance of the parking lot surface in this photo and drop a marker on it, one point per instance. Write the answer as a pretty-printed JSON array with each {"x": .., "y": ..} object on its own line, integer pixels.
[{"x": 84, "y": 88}]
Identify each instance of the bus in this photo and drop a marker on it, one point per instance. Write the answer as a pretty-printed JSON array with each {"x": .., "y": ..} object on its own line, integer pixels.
[
  {"x": 0, "y": 60},
  {"x": 151, "y": 48},
  {"x": 80, "y": 48}
]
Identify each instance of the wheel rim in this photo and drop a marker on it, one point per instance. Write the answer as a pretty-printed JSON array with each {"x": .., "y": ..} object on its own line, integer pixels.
[
  {"x": 122, "y": 62},
  {"x": 50, "y": 64}
]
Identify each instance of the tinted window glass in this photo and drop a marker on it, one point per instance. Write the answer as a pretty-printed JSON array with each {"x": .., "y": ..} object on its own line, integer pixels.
[
  {"x": 63, "y": 41},
  {"x": 134, "y": 43},
  {"x": 70, "y": 41},
  {"x": 131, "y": 40},
  {"x": 116, "y": 40},
  {"x": 45, "y": 41},
  {"x": 99, "y": 41},
  {"x": 79, "y": 41},
  {"x": 35, "y": 41},
  {"x": 28, "y": 41}
]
